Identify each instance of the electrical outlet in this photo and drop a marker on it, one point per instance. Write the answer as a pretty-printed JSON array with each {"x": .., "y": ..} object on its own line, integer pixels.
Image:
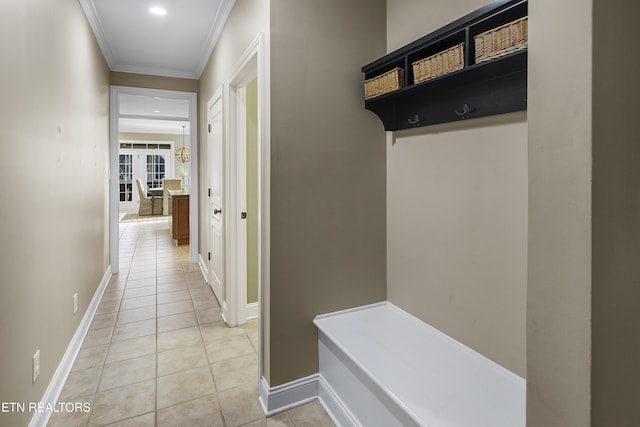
[
  {"x": 75, "y": 303},
  {"x": 36, "y": 365}
]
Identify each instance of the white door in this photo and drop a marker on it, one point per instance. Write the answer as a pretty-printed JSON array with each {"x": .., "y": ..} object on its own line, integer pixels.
[
  {"x": 215, "y": 206},
  {"x": 127, "y": 192}
]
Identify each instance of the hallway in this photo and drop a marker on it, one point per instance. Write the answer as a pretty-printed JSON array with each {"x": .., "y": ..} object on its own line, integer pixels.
[{"x": 158, "y": 352}]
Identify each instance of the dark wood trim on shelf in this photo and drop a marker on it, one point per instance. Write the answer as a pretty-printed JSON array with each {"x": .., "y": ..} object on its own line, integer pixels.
[{"x": 492, "y": 87}]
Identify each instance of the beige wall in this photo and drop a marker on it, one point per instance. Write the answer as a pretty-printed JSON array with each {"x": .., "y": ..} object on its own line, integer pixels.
[
  {"x": 420, "y": 17},
  {"x": 616, "y": 217},
  {"x": 54, "y": 217},
  {"x": 153, "y": 82},
  {"x": 327, "y": 173},
  {"x": 559, "y": 261},
  {"x": 457, "y": 214}
]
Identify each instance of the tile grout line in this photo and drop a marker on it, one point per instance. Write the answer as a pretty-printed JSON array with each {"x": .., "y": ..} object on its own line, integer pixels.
[
  {"x": 209, "y": 364},
  {"x": 104, "y": 361},
  {"x": 143, "y": 241},
  {"x": 155, "y": 412},
  {"x": 138, "y": 238}
]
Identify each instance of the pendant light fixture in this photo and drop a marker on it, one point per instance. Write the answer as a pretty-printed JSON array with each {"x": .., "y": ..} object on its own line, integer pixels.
[{"x": 182, "y": 154}]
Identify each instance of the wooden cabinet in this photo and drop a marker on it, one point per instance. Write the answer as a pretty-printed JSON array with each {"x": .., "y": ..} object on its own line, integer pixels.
[
  {"x": 494, "y": 86},
  {"x": 179, "y": 216}
]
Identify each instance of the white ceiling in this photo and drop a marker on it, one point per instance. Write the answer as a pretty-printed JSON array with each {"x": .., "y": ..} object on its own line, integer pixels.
[
  {"x": 153, "y": 106},
  {"x": 177, "y": 44},
  {"x": 153, "y": 114}
]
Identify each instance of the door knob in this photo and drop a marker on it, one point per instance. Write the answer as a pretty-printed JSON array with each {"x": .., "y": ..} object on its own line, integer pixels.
[{"x": 217, "y": 211}]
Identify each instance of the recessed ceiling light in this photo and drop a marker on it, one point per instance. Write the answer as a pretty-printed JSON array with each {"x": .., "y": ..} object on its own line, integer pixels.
[
  {"x": 156, "y": 111},
  {"x": 158, "y": 11}
]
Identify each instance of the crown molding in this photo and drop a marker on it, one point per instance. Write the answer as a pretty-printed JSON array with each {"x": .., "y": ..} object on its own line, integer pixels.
[
  {"x": 214, "y": 34},
  {"x": 93, "y": 18},
  {"x": 91, "y": 13}
]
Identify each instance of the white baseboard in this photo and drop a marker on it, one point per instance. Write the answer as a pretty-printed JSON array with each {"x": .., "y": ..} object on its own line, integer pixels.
[
  {"x": 286, "y": 396},
  {"x": 252, "y": 311},
  {"x": 203, "y": 268},
  {"x": 52, "y": 393},
  {"x": 337, "y": 410}
]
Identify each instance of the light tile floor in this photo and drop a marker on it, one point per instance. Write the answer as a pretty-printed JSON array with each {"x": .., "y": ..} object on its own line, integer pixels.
[{"x": 159, "y": 354}]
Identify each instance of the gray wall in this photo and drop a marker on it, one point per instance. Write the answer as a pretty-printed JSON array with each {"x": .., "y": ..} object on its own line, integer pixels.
[
  {"x": 54, "y": 130},
  {"x": 327, "y": 173},
  {"x": 457, "y": 213},
  {"x": 616, "y": 216}
]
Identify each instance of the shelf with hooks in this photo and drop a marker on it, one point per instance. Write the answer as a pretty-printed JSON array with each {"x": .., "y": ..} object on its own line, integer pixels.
[{"x": 477, "y": 89}]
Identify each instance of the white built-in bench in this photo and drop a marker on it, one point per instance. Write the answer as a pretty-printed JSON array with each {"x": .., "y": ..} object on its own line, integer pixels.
[{"x": 380, "y": 366}]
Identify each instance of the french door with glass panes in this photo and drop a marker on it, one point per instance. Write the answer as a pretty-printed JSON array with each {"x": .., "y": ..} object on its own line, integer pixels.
[
  {"x": 125, "y": 160},
  {"x": 149, "y": 165}
]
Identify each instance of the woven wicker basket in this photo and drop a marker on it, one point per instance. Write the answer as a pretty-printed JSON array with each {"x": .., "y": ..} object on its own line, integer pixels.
[
  {"x": 439, "y": 64},
  {"x": 501, "y": 40},
  {"x": 384, "y": 83}
]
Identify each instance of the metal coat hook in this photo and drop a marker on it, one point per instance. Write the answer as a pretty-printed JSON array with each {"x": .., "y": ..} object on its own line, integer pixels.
[
  {"x": 465, "y": 110},
  {"x": 415, "y": 121}
]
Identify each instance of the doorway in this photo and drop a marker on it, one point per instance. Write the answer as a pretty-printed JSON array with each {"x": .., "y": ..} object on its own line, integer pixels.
[
  {"x": 243, "y": 118},
  {"x": 159, "y": 116},
  {"x": 233, "y": 259},
  {"x": 227, "y": 168}
]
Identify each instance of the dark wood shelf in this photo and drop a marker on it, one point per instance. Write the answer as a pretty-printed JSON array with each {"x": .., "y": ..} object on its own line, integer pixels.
[{"x": 492, "y": 87}]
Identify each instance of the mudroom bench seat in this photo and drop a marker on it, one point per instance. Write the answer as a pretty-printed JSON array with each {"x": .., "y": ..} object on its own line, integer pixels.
[{"x": 380, "y": 366}]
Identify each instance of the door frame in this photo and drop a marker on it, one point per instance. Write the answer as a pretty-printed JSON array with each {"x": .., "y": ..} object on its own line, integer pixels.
[
  {"x": 114, "y": 144},
  {"x": 251, "y": 65},
  {"x": 255, "y": 63},
  {"x": 236, "y": 247}
]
